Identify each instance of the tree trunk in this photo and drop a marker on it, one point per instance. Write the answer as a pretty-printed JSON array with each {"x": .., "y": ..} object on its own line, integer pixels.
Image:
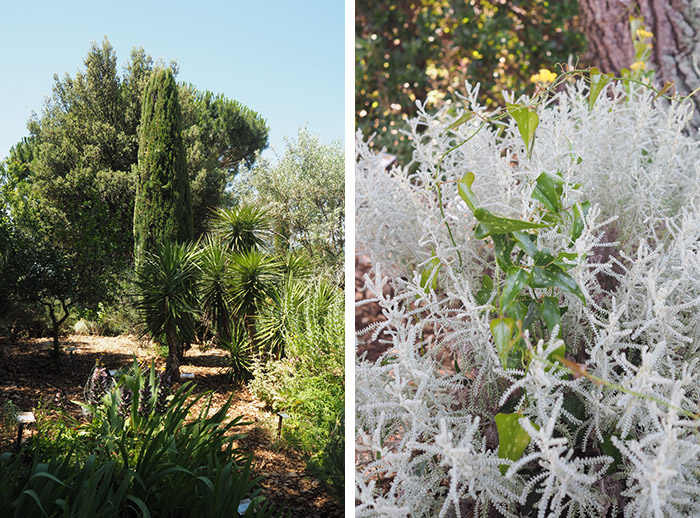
[
  {"x": 56, "y": 325},
  {"x": 172, "y": 365},
  {"x": 676, "y": 28}
]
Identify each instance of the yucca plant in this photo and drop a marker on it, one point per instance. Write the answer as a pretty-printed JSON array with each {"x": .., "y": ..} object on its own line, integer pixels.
[
  {"x": 254, "y": 280},
  {"x": 213, "y": 261},
  {"x": 240, "y": 360},
  {"x": 167, "y": 300},
  {"x": 274, "y": 320},
  {"x": 242, "y": 228}
]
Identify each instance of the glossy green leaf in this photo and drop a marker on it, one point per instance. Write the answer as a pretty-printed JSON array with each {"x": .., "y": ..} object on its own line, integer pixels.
[
  {"x": 518, "y": 310},
  {"x": 499, "y": 225},
  {"x": 481, "y": 231},
  {"x": 544, "y": 257},
  {"x": 533, "y": 312},
  {"x": 516, "y": 279},
  {"x": 502, "y": 331},
  {"x": 433, "y": 265},
  {"x": 556, "y": 354},
  {"x": 464, "y": 188},
  {"x": 547, "y": 191},
  {"x": 598, "y": 82},
  {"x": 563, "y": 265},
  {"x": 549, "y": 309},
  {"x": 464, "y": 118},
  {"x": 553, "y": 277},
  {"x": 580, "y": 210},
  {"x": 503, "y": 246},
  {"x": 512, "y": 438},
  {"x": 527, "y": 121},
  {"x": 484, "y": 294},
  {"x": 525, "y": 242}
]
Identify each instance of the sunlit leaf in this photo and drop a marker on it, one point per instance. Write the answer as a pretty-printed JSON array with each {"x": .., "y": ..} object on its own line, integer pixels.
[
  {"x": 464, "y": 118},
  {"x": 598, "y": 82},
  {"x": 464, "y": 187},
  {"x": 527, "y": 121}
]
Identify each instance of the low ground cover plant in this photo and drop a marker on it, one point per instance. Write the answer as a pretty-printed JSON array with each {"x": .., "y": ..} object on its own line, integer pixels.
[
  {"x": 138, "y": 455},
  {"x": 544, "y": 325}
]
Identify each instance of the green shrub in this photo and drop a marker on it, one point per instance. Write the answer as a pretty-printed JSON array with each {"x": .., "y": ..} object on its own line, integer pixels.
[
  {"x": 329, "y": 465},
  {"x": 309, "y": 383},
  {"x": 138, "y": 453}
]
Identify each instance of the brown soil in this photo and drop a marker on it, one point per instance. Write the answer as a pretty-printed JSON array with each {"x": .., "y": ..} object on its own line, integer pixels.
[{"x": 28, "y": 376}]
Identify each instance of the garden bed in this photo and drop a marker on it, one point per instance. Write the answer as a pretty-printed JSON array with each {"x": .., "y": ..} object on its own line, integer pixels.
[{"x": 29, "y": 378}]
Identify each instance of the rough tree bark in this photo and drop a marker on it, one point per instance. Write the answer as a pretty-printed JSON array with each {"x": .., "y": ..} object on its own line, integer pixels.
[{"x": 676, "y": 28}]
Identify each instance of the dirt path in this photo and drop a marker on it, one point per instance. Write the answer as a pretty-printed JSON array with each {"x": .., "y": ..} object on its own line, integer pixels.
[{"x": 28, "y": 375}]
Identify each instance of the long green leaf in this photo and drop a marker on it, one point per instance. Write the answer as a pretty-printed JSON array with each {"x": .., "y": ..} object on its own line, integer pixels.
[
  {"x": 525, "y": 243},
  {"x": 547, "y": 191},
  {"x": 516, "y": 278},
  {"x": 512, "y": 438},
  {"x": 550, "y": 313},
  {"x": 499, "y": 225},
  {"x": 464, "y": 188},
  {"x": 430, "y": 270},
  {"x": 598, "y": 82},
  {"x": 527, "y": 121},
  {"x": 502, "y": 331},
  {"x": 503, "y": 246},
  {"x": 552, "y": 277}
]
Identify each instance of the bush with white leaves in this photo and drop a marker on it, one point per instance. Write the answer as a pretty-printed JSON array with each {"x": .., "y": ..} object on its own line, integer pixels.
[{"x": 544, "y": 331}]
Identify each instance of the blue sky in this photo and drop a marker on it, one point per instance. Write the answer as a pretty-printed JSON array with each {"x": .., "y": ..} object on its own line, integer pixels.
[{"x": 283, "y": 59}]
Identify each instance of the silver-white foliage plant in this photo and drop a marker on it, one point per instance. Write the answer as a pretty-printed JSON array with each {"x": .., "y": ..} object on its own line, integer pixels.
[{"x": 621, "y": 439}]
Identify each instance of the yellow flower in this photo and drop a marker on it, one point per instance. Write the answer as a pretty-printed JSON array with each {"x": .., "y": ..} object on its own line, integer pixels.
[
  {"x": 544, "y": 76},
  {"x": 638, "y": 65},
  {"x": 643, "y": 34}
]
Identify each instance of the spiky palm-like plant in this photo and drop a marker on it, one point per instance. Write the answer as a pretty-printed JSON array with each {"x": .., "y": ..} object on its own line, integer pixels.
[
  {"x": 274, "y": 320},
  {"x": 167, "y": 300},
  {"x": 241, "y": 228},
  {"x": 254, "y": 280},
  {"x": 213, "y": 262}
]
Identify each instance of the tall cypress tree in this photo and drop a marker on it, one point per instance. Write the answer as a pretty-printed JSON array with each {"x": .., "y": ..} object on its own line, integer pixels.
[{"x": 163, "y": 207}]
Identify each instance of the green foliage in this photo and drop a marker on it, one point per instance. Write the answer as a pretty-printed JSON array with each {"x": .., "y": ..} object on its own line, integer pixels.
[
  {"x": 242, "y": 228},
  {"x": 409, "y": 51},
  {"x": 163, "y": 206},
  {"x": 304, "y": 193},
  {"x": 254, "y": 278},
  {"x": 512, "y": 439},
  {"x": 309, "y": 382},
  {"x": 545, "y": 269},
  {"x": 72, "y": 182},
  {"x": 213, "y": 261},
  {"x": 8, "y": 423},
  {"x": 240, "y": 359},
  {"x": 156, "y": 463},
  {"x": 166, "y": 297},
  {"x": 329, "y": 465}
]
